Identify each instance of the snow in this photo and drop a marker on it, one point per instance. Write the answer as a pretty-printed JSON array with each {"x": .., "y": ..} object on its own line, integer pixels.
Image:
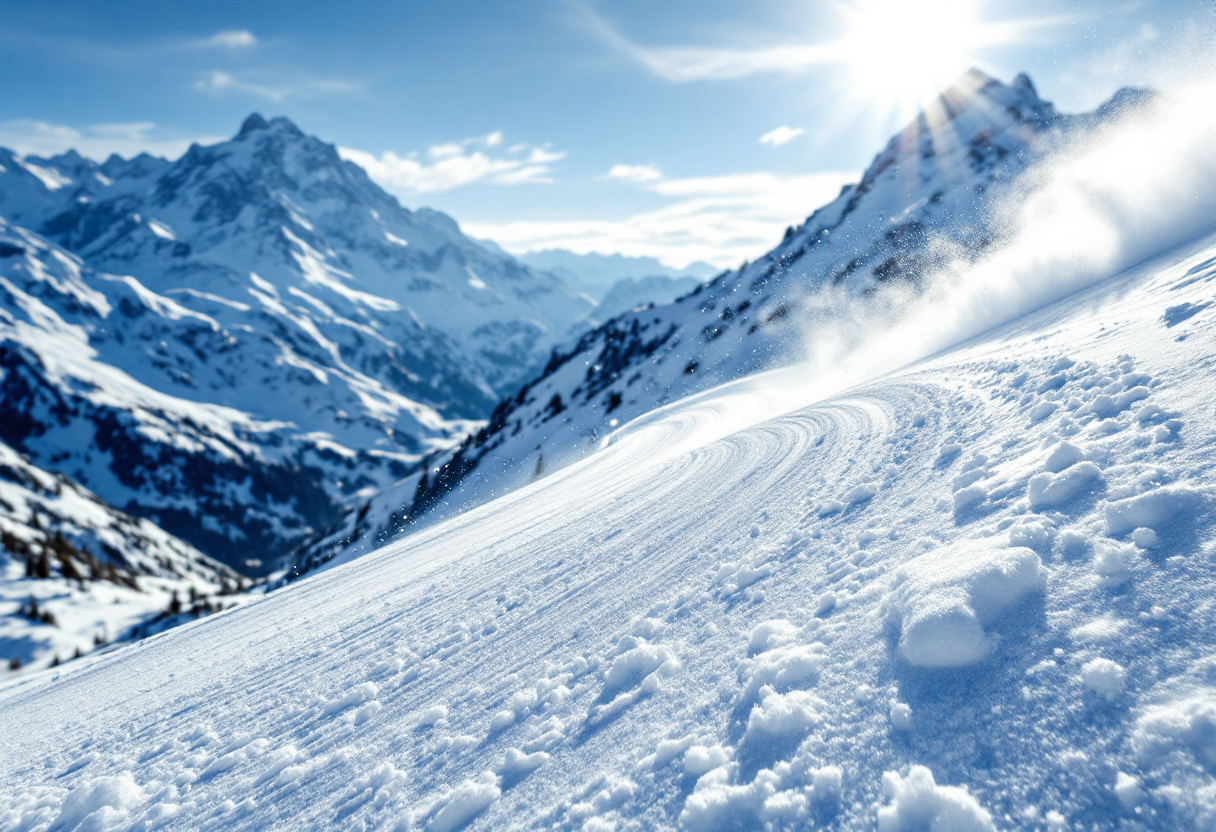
[
  {"x": 1152, "y": 508},
  {"x": 569, "y": 654},
  {"x": 1127, "y": 789},
  {"x": 1001, "y": 622},
  {"x": 901, "y": 716},
  {"x": 701, "y": 759},
  {"x": 51, "y": 179},
  {"x": 1113, "y": 562},
  {"x": 1104, "y": 677},
  {"x": 101, "y": 804},
  {"x": 943, "y": 600},
  {"x": 918, "y": 802},
  {"x": 161, "y": 230},
  {"x": 456, "y": 808},
  {"x": 1052, "y": 490}
]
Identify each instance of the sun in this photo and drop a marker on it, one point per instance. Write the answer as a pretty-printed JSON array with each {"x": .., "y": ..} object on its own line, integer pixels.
[{"x": 902, "y": 53}]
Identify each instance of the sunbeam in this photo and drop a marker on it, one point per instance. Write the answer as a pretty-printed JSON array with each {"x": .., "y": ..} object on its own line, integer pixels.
[{"x": 899, "y": 56}]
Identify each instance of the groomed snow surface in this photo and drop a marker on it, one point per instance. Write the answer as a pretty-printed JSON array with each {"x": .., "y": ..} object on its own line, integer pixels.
[{"x": 974, "y": 594}]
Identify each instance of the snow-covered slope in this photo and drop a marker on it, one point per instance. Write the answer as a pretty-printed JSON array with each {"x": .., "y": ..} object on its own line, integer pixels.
[
  {"x": 76, "y": 575},
  {"x": 973, "y": 594},
  {"x": 234, "y": 425},
  {"x": 933, "y": 185},
  {"x": 281, "y": 205}
]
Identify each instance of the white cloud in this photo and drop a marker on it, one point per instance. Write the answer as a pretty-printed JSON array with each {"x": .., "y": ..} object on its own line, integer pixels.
[
  {"x": 232, "y": 39},
  {"x": 698, "y": 63},
  {"x": 455, "y": 164},
  {"x": 635, "y": 173},
  {"x": 781, "y": 135},
  {"x": 719, "y": 219},
  {"x": 217, "y": 82},
  {"x": 97, "y": 141},
  {"x": 446, "y": 151}
]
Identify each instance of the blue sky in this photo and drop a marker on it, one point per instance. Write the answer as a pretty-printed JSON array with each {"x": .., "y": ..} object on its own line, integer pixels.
[{"x": 679, "y": 129}]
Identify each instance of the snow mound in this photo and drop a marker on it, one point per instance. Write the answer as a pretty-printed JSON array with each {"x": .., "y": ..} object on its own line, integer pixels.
[
  {"x": 766, "y": 802},
  {"x": 1104, "y": 677},
  {"x": 463, "y": 803},
  {"x": 781, "y": 669},
  {"x": 100, "y": 804},
  {"x": 917, "y": 802},
  {"x": 783, "y": 715},
  {"x": 1152, "y": 508},
  {"x": 1053, "y": 490},
  {"x": 1174, "y": 742},
  {"x": 1186, "y": 724},
  {"x": 943, "y": 600}
]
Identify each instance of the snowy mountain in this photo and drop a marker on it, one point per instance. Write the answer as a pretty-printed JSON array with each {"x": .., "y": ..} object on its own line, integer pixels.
[
  {"x": 281, "y": 205},
  {"x": 923, "y": 199},
  {"x": 75, "y": 574},
  {"x": 284, "y": 336},
  {"x": 234, "y": 425},
  {"x": 284, "y": 341},
  {"x": 33, "y": 188},
  {"x": 972, "y": 594},
  {"x": 597, "y": 274}
]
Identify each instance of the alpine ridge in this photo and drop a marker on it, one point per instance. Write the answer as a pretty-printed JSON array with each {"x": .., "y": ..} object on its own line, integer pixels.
[{"x": 933, "y": 183}]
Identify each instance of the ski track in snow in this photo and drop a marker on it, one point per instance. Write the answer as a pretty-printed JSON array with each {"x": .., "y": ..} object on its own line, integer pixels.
[{"x": 974, "y": 594}]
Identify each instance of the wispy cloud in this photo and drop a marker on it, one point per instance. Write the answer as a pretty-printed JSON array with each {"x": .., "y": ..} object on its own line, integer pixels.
[
  {"x": 97, "y": 141},
  {"x": 781, "y": 135},
  {"x": 231, "y": 39},
  {"x": 454, "y": 164},
  {"x": 719, "y": 219},
  {"x": 703, "y": 63},
  {"x": 218, "y": 82},
  {"x": 635, "y": 173}
]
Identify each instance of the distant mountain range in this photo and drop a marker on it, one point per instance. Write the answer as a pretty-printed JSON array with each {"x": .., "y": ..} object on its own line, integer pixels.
[{"x": 597, "y": 274}]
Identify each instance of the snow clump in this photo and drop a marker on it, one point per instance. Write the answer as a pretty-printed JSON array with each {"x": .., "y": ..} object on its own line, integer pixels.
[
  {"x": 943, "y": 600},
  {"x": 917, "y": 802},
  {"x": 1104, "y": 677}
]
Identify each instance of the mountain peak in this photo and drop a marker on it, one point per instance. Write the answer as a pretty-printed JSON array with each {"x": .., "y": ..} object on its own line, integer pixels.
[
  {"x": 283, "y": 124},
  {"x": 1023, "y": 82},
  {"x": 975, "y": 78},
  {"x": 986, "y": 100},
  {"x": 254, "y": 122},
  {"x": 976, "y": 83}
]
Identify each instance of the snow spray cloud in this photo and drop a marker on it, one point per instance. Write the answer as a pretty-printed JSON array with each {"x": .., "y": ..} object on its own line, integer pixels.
[{"x": 1134, "y": 189}]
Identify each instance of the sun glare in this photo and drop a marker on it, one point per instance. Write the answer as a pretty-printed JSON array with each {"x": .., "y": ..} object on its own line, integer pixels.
[{"x": 902, "y": 54}]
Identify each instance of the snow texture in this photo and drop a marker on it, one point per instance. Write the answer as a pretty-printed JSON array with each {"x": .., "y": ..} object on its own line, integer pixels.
[{"x": 638, "y": 639}]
